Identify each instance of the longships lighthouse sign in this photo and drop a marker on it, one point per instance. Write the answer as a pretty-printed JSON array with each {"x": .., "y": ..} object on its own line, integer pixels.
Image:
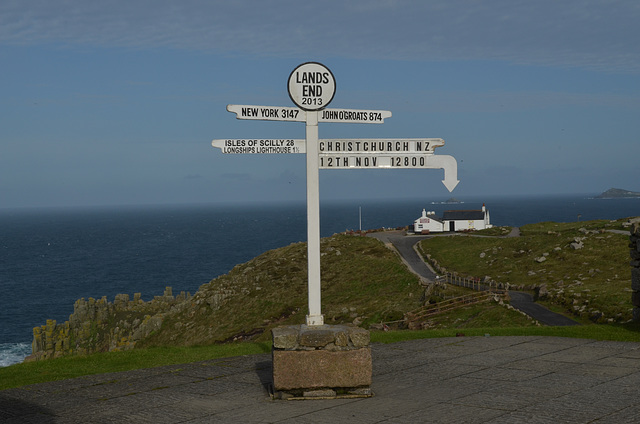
[{"x": 311, "y": 87}]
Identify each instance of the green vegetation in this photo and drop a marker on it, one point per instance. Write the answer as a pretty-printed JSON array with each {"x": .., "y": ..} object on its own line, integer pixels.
[
  {"x": 580, "y": 267},
  {"x": 625, "y": 333},
  {"x": 109, "y": 362},
  {"x": 366, "y": 284},
  {"x": 363, "y": 282},
  {"x": 494, "y": 231}
]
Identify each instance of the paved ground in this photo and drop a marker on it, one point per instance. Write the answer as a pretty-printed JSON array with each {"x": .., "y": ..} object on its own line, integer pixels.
[{"x": 450, "y": 380}]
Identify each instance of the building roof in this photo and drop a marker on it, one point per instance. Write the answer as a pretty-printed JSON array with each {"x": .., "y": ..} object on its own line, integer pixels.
[{"x": 469, "y": 215}]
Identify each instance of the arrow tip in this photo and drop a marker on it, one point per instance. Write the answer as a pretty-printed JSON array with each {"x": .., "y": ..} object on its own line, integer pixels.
[{"x": 450, "y": 184}]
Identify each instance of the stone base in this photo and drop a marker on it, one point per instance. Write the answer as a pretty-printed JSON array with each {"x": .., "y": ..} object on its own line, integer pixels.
[{"x": 321, "y": 362}]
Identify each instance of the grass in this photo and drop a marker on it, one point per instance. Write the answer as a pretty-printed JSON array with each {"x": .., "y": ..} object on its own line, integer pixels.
[
  {"x": 361, "y": 280},
  {"x": 101, "y": 363},
  {"x": 624, "y": 333},
  {"x": 592, "y": 282}
]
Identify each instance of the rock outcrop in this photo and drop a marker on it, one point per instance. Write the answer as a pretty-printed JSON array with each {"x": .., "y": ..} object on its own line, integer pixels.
[{"x": 103, "y": 326}]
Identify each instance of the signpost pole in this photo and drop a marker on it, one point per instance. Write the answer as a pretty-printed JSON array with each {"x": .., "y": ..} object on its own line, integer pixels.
[
  {"x": 311, "y": 87},
  {"x": 315, "y": 316}
]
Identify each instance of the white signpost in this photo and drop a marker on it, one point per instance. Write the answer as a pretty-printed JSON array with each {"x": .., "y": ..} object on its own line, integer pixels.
[
  {"x": 357, "y": 153},
  {"x": 311, "y": 87},
  {"x": 311, "y": 100}
]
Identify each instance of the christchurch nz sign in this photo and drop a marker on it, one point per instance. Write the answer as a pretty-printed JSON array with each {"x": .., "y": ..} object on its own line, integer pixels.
[
  {"x": 357, "y": 153},
  {"x": 311, "y": 87}
]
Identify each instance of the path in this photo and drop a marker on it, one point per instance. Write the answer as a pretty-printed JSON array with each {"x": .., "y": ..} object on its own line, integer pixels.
[{"x": 519, "y": 300}]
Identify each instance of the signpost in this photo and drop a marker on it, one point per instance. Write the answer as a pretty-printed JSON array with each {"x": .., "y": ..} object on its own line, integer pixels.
[
  {"x": 357, "y": 153},
  {"x": 311, "y": 87}
]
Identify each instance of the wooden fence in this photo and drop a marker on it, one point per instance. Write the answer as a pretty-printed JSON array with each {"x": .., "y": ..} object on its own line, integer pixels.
[{"x": 414, "y": 318}]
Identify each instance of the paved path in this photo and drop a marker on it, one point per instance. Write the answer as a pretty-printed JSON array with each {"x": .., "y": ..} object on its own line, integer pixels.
[
  {"x": 404, "y": 246},
  {"x": 450, "y": 380},
  {"x": 519, "y": 300},
  {"x": 524, "y": 302}
]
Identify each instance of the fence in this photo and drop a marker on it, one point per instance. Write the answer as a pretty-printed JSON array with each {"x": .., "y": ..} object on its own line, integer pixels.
[
  {"x": 470, "y": 283},
  {"x": 414, "y": 318}
]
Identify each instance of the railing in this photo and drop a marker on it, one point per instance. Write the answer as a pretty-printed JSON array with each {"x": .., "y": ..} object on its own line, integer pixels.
[
  {"x": 470, "y": 283},
  {"x": 418, "y": 315}
]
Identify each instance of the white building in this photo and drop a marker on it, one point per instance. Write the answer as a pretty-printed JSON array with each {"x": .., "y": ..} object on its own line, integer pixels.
[
  {"x": 461, "y": 220},
  {"x": 428, "y": 223}
]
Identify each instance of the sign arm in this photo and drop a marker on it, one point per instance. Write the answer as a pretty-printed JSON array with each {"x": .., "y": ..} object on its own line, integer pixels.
[{"x": 450, "y": 166}]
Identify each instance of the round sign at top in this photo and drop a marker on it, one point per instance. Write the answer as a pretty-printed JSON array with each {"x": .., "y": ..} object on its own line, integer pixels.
[{"x": 311, "y": 86}]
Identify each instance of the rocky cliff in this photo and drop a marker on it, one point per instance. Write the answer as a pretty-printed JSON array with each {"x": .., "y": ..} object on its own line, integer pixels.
[
  {"x": 99, "y": 325},
  {"x": 363, "y": 282}
]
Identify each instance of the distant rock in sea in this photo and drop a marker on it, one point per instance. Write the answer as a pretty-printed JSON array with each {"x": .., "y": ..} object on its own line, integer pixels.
[
  {"x": 449, "y": 201},
  {"x": 617, "y": 193}
]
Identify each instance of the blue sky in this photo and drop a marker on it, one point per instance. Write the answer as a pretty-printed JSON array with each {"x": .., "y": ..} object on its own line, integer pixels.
[{"x": 114, "y": 103}]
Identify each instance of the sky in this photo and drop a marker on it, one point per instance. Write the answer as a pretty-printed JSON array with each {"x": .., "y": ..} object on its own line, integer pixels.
[{"x": 116, "y": 103}]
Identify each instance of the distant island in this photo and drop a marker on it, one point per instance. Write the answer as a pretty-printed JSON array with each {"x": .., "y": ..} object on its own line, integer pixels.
[
  {"x": 617, "y": 193},
  {"x": 449, "y": 201}
]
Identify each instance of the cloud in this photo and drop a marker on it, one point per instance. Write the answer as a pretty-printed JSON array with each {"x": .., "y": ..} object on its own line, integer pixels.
[{"x": 573, "y": 33}]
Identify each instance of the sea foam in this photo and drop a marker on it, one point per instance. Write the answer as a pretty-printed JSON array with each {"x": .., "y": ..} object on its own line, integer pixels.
[{"x": 13, "y": 353}]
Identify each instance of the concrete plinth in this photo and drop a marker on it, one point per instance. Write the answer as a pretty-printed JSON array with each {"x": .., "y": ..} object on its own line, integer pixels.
[{"x": 331, "y": 360}]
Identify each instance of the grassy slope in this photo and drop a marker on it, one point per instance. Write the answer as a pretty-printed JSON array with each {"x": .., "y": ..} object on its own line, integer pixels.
[
  {"x": 593, "y": 282},
  {"x": 362, "y": 281}
]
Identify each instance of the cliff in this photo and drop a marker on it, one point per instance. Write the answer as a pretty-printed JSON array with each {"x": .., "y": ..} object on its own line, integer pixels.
[
  {"x": 99, "y": 325},
  {"x": 362, "y": 282}
]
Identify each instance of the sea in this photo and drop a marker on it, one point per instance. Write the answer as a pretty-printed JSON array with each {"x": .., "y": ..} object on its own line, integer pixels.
[{"x": 49, "y": 258}]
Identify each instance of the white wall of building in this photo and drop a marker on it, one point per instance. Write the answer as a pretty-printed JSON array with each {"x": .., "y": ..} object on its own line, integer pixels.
[{"x": 427, "y": 223}]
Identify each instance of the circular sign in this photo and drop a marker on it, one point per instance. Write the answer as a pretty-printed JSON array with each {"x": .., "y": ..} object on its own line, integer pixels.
[{"x": 311, "y": 86}]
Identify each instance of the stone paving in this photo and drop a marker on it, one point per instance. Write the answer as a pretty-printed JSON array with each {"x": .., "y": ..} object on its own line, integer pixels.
[{"x": 450, "y": 380}]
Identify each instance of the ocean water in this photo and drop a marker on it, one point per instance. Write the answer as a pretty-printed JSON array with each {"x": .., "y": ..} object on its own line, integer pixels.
[{"x": 51, "y": 258}]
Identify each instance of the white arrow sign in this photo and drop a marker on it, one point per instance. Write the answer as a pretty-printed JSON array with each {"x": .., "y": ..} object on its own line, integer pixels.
[
  {"x": 399, "y": 161},
  {"x": 268, "y": 113},
  {"x": 357, "y": 153}
]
